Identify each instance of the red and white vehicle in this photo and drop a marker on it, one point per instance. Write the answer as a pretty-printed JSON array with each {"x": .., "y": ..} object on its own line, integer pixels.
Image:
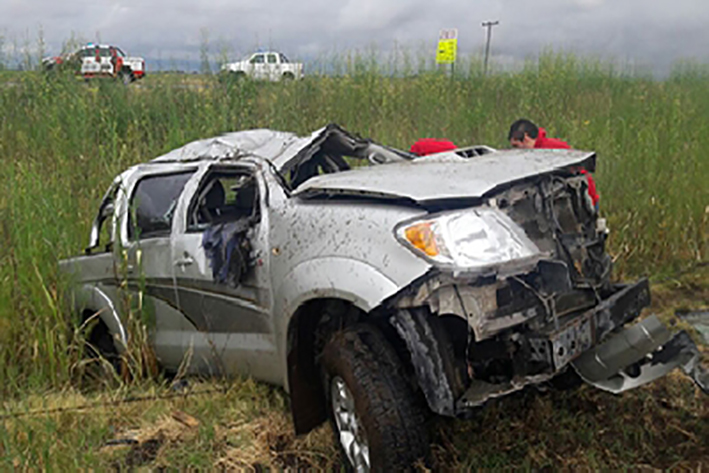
[{"x": 99, "y": 60}]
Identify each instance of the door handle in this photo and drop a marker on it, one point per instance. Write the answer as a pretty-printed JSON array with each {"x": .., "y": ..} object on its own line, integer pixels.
[{"x": 186, "y": 261}]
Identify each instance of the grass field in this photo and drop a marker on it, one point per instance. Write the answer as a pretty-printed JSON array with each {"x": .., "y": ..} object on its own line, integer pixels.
[
  {"x": 243, "y": 425},
  {"x": 62, "y": 142}
]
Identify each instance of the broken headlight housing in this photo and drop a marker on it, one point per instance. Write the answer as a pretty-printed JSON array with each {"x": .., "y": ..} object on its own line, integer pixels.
[{"x": 473, "y": 239}]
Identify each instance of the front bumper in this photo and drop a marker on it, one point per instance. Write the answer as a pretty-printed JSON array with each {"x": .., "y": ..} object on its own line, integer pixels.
[
  {"x": 603, "y": 353},
  {"x": 567, "y": 338}
]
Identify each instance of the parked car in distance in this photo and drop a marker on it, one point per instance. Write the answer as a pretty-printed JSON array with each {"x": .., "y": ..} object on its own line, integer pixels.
[
  {"x": 270, "y": 65},
  {"x": 99, "y": 60},
  {"x": 374, "y": 294}
]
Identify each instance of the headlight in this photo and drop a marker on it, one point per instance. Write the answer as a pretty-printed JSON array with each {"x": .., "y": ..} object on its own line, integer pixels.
[{"x": 471, "y": 239}]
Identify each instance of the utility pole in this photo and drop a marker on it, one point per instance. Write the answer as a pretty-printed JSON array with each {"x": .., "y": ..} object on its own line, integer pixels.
[{"x": 488, "y": 25}]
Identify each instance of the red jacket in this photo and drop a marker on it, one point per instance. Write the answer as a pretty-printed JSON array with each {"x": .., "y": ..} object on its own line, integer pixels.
[
  {"x": 426, "y": 146},
  {"x": 549, "y": 143},
  {"x": 553, "y": 143}
]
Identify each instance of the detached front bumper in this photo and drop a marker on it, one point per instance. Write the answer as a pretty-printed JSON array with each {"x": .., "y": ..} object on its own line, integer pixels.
[
  {"x": 638, "y": 355},
  {"x": 603, "y": 352},
  {"x": 617, "y": 359}
]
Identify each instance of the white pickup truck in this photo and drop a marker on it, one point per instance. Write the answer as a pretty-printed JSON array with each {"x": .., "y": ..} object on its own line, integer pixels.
[{"x": 268, "y": 65}]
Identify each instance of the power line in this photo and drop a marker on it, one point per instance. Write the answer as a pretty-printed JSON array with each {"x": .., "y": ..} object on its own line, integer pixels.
[
  {"x": 109, "y": 403},
  {"x": 488, "y": 25}
]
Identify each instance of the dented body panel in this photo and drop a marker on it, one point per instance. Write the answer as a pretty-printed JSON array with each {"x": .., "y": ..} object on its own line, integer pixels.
[
  {"x": 488, "y": 268},
  {"x": 431, "y": 180}
]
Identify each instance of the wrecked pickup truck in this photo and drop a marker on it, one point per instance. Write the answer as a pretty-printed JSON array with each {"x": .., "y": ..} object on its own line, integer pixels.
[{"x": 371, "y": 293}]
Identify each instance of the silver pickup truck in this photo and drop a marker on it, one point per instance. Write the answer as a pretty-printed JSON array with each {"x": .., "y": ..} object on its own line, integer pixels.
[{"x": 374, "y": 294}]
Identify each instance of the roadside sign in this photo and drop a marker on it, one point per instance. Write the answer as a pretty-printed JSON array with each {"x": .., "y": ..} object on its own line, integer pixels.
[{"x": 447, "y": 46}]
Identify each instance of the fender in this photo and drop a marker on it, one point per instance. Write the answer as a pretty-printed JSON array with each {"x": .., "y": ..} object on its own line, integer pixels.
[
  {"x": 327, "y": 277},
  {"x": 337, "y": 277},
  {"x": 91, "y": 297}
]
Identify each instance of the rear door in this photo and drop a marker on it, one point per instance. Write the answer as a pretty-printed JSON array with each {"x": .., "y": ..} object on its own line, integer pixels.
[
  {"x": 106, "y": 61},
  {"x": 89, "y": 61},
  {"x": 220, "y": 262}
]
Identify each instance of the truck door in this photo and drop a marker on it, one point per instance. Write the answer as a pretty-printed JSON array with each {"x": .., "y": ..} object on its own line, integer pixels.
[
  {"x": 274, "y": 67},
  {"x": 145, "y": 262},
  {"x": 220, "y": 262},
  {"x": 258, "y": 66},
  {"x": 116, "y": 61}
]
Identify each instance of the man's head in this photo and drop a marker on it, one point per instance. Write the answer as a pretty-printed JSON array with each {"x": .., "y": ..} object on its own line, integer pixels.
[{"x": 523, "y": 134}]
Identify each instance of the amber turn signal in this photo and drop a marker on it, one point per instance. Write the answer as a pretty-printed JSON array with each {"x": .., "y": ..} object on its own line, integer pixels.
[{"x": 421, "y": 237}]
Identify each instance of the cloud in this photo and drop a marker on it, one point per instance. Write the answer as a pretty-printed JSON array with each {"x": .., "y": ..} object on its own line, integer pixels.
[
  {"x": 652, "y": 31},
  {"x": 590, "y": 3},
  {"x": 367, "y": 15}
]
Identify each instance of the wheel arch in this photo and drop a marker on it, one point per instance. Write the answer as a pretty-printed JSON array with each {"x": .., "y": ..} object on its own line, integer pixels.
[{"x": 89, "y": 301}]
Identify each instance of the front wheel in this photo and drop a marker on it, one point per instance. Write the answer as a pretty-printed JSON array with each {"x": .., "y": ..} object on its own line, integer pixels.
[
  {"x": 125, "y": 77},
  {"x": 378, "y": 420}
]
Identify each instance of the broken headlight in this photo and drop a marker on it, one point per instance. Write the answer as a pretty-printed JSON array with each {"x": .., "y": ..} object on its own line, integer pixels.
[{"x": 470, "y": 239}]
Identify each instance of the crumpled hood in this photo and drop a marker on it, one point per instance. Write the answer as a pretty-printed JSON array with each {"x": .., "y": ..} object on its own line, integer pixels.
[{"x": 446, "y": 175}]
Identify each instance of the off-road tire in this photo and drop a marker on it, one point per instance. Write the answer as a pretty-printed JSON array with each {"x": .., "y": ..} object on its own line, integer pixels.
[
  {"x": 391, "y": 413},
  {"x": 288, "y": 76},
  {"x": 125, "y": 77}
]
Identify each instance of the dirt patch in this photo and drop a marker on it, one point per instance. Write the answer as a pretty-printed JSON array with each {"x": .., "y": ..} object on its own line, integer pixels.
[
  {"x": 143, "y": 445},
  {"x": 270, "y": 442}
]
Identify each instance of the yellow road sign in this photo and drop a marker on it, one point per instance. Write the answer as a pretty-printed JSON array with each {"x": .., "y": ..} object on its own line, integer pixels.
[
  {"x": 447, "y": 46},
  {"x": 447, "y": 49}
]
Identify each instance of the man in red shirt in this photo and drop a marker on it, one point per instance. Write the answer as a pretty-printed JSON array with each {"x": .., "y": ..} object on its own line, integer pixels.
[{"x": 525, "y": 134}]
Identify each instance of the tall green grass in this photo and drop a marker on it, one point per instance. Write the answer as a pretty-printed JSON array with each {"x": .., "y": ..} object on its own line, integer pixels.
[{"x": 63, "y": 141}]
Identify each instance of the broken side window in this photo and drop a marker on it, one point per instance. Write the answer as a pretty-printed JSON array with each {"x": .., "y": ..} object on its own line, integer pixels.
[
  {"x": 225, "y": 196},
  {"x": 153, "y": 204},
  {"x": 106, "y": 220},
  {"x": 224, "y": 209},
  {"x": 320, "y": 163}
]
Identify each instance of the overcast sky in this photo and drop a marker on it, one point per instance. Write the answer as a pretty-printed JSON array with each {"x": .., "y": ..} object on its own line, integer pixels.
[{"x": 656, "y": 33}]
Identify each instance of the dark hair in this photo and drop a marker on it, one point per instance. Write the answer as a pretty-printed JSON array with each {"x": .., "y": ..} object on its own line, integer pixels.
[{"x": 522, "y": 126}]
